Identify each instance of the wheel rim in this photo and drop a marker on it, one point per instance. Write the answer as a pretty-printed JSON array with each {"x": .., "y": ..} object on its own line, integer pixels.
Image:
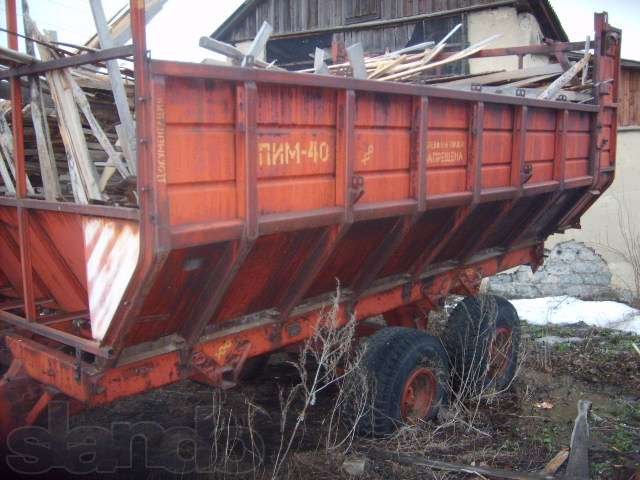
[
  {"x": 500, "y": 352},
  {"x": 418, "y": 394}
]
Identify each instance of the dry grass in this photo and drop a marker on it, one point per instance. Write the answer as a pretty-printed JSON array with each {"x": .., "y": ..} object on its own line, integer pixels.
[{"x": 327, "y": 359}]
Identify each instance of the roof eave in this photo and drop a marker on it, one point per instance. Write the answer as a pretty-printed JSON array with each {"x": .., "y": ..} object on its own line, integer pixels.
[{"x": 238, "y": 14}]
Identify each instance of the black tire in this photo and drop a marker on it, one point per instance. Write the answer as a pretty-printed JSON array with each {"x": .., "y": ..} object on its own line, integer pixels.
[
  {"x": 482, "y": 340},
  {"x": 253, "y": 368},
  {"x": 392, "y": 357}
]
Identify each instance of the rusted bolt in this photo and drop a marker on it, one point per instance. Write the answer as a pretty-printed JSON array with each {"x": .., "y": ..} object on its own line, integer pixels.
[{"x": 294, "y": 329}]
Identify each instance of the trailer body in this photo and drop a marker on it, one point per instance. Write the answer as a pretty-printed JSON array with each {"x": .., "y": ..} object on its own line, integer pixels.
[{"x": 258, "y": 189}]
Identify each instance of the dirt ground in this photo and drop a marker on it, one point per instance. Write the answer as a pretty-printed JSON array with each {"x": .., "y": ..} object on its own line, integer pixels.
[{"x": 521, "y": 429}]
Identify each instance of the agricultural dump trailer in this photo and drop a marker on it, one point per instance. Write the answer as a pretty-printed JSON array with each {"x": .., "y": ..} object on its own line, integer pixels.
[{"x": 257, "y": 189}]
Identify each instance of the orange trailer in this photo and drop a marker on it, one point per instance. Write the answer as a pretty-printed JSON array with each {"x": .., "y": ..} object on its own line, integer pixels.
[{"x": 257, "y": 190}]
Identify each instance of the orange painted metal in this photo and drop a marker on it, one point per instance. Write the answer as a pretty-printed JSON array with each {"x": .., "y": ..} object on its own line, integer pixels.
[
  {"x": 258, "y": 189},
  {"x": 154, "y": 368}
]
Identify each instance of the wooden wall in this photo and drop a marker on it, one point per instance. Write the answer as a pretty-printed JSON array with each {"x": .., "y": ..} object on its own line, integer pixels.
[
  {"x": 287, "y": 16},
  {"x": 629, "y": 110}
]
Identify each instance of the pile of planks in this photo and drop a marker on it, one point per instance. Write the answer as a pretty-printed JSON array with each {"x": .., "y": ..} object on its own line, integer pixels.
[
  {"x": 558, "y": 79},
  {"x": 79, "y": 133},
  {"x": 549, "y": 81},
  {"x": 401, "y": 65}
]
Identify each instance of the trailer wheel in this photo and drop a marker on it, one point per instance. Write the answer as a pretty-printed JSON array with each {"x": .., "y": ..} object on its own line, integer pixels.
[
  {"x": 253, "y": 368},
  {"x": 482, "y": 340},
  {"x": 408, "y": 376}
]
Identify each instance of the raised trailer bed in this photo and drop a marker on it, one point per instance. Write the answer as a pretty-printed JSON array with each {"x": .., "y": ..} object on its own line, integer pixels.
[{"x": 258, "y": 189}]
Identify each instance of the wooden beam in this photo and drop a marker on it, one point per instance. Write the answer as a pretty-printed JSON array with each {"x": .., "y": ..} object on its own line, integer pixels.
[
  {"x": 530, "y": 80},
  {"x": 467, "y": 52},
  {"x": 114, "y": 158},
  {"x": 356, "y": 60},
  {"x": 566, "y": 77},
  {"x": 482, "y": 472},
  {"x": 46, "y": 155},
  {"x": 319, "y": 67},
  {"x": 222, "y": 48},
  {"x": 117, "y": 84},
  {"x": 8, "y": 55},
  {"x": 578, "y": 465},
  {"x": 120, "y": 25},
  {"x": 82, "y": 171},
  {"x": 228, "y": 51},
  {"x": 6, "y": 146},
  {"x": 258, "y": 45},
  {"x": 6, "y": 176},
  {"x": 550, "y": 69},
  {"x": 585, "y": 70}
]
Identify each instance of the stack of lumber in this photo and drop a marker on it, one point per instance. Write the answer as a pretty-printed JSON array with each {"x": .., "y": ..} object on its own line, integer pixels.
[
  {"x": 78, "y": 126},
  {"x": 548, "y": 81},
  {"x": 557, "y": 80}
]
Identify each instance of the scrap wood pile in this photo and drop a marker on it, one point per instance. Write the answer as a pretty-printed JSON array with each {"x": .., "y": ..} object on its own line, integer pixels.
[
  {"x": 420, "y": 64},
  {"x": 79, "y": 136}
]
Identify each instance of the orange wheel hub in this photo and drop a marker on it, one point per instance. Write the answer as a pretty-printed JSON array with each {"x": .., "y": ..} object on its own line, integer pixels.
[{"x": 418, "y": 394}]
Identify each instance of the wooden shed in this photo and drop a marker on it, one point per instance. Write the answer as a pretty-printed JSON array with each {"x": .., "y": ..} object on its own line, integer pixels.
[
  {"x": 299, "y": 26},
  {"x": 629, "y": 111}
]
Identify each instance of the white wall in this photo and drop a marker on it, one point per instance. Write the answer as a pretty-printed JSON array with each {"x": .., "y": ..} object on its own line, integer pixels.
[
  {"x": 601, "y": 224},
  {"x": 516, "y": 29}
]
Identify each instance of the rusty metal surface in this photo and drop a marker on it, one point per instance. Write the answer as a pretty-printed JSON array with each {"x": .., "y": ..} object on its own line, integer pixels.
[
  {"x": 222, "y": 350},
  {"x": 259, "y": 189},
  {"x": 464, "y": 166}
]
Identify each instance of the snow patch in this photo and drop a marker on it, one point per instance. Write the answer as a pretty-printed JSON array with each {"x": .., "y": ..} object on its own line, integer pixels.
[{"x": 559, "y": 310}]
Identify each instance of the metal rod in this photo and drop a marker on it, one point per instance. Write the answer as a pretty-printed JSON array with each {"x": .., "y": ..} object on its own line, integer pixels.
[
  {"x": 89, "y": 346},
  {"x": 69, "y": 207},
  {"x": 72, "y": 61}
]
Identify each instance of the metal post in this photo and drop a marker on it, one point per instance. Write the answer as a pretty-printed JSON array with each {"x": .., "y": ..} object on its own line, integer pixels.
[{"x": 21, "y": 177}]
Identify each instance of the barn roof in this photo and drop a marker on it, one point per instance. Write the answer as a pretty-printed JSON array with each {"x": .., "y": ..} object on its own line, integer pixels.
[{"x": 543, "y": 11}]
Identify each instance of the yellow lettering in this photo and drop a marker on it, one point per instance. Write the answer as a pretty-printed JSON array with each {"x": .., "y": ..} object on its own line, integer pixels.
[
  {"x": 312, "y": 151},
  {"x": 277, "y": 153},
  {"x": 264, "y": 153},
  {"x": 324, "y": 152},
  {"x": 293, "y": 153}
]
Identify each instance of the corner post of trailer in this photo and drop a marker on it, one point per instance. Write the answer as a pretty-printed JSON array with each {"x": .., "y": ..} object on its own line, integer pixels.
[{"x": 21, "y": 174}]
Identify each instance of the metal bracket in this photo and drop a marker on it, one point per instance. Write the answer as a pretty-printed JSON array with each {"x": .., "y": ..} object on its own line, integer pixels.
[
  {"x": 212, "y": 372},
  {"x": 357, "y": 188},
  {"x": 406, "y": 290},
  {"x": 470, "y": 279},
  {"x": 222, "y": 376},
  {"x": 436, "y": 293},
  {"x": 526, "y": 173},
  {"x": 78, "y": 364}
]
